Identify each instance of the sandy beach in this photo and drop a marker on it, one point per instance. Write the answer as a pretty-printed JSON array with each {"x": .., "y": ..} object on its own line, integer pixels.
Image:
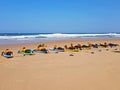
[{"x": 59, "y": 71}]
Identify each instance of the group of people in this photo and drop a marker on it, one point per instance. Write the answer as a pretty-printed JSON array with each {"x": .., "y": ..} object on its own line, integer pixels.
[
  {"x": 89, "y": 46},
  {"x": 41, "y": 48},
  {"x": 25, "y": 50}
]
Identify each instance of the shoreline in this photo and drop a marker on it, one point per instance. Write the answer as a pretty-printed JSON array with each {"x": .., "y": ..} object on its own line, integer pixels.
[{"x": 46, "y": 41}]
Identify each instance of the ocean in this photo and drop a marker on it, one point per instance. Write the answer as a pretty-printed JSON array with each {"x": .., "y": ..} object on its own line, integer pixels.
[{"x": 19, "y": 38}]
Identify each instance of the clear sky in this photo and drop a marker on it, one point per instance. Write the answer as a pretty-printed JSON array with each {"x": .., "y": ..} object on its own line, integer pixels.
[{"x": 59, "y": 16}]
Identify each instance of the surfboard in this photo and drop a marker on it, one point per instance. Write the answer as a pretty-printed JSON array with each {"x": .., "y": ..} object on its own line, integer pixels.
[
  {"x": 26, "y": 53},
  {"x": 40, "y": 51},
  {"x": 7, "y": 56},
  {"x": 57, "y": 50}
]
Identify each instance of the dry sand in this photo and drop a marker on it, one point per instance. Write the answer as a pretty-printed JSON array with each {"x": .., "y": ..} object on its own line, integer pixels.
[{"x": 59, "y": 71}]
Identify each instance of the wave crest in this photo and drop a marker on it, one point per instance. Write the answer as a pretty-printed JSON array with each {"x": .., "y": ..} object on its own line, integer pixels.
[{"x": 59, "y": 35}]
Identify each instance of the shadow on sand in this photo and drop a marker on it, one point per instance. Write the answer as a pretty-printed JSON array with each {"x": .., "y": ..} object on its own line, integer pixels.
[{"x": 116, "y": 51}]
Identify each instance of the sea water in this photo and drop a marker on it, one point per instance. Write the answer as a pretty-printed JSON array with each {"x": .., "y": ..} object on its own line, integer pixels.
[{"x": 19, "y": 38}]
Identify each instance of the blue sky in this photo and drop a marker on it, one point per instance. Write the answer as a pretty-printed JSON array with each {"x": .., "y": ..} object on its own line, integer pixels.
[{"x": 59, "y": 16}]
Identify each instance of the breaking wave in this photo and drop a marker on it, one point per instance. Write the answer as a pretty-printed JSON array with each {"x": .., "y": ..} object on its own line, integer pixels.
[{"x": 58, "y": 36}]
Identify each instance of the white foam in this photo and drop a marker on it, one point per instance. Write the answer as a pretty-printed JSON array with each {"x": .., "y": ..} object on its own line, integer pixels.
[{"x": 58, "y": 35}]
